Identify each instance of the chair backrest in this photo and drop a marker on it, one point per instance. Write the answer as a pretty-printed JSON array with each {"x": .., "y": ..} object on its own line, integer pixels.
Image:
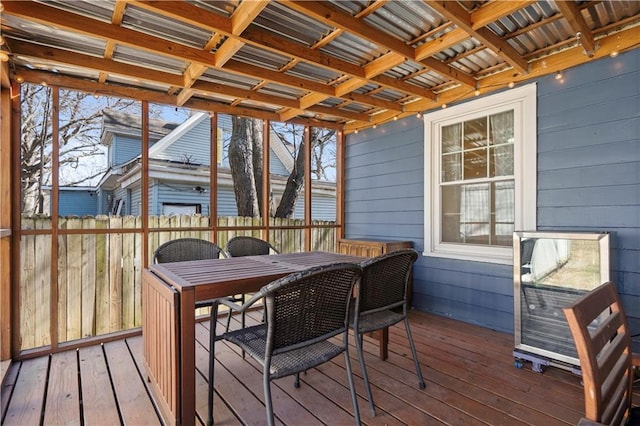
[
  {"x": 599, "y": 327},
  {"x": 248, "y": 246},
  {"x": 309, "y": 306},
  {"x": 384, "y": 280},
  {"x": 184, "y": 249}
]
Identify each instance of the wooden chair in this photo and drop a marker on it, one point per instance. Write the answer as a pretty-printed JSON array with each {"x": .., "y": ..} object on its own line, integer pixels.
[
  {"x": 599, "y": 327},
  {"x": 382, "y": 302},
  {"x": 304, "y": 311}
]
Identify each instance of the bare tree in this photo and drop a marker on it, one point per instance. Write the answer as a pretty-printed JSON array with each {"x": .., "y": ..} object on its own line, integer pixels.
[
  {"x": 79, "y": 136},
  {"x": 245, "y": 159}
]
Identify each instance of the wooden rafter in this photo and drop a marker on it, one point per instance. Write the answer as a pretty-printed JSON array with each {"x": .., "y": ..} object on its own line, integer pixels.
[
  {"x": 458, "y": 15},
  {"x": 573, "y": 15},
  {"x": 344, "y": 81}
]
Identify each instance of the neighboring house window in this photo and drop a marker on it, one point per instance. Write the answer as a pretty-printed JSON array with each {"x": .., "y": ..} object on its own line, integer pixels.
[
  {"x": 117, "y": 207},
  {"x": 480, "y": 176},
  {"x": 170, "y": 209}
]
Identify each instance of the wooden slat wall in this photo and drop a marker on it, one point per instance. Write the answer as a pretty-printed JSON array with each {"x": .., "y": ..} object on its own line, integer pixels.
[{"x": 588, "y": 178}]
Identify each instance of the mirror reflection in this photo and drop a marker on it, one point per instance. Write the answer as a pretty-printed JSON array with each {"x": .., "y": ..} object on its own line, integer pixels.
[{"x": 557, "y": 262}]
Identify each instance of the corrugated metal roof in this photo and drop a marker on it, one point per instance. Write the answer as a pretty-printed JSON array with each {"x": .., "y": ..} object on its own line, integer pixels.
[
  {"x": 281, "y": 29},
  {"x": 152, "y": 23},
  {"x": 146, "y": 59}
]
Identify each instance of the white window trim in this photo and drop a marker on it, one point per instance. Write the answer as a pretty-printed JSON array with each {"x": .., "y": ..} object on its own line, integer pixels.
[{"x": 524, "y": 102}]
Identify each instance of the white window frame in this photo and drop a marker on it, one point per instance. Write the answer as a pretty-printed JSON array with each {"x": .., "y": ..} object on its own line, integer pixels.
[{"x": 523, "y": 101}]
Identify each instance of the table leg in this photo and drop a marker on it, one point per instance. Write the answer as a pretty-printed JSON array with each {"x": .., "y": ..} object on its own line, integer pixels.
[
  {"x": 188, "y": 357},
  {"x": 383, "y": 339}
]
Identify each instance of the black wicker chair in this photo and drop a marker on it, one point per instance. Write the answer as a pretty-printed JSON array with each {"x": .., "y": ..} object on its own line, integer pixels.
[
  {"x": 383, "y": 302},
  {"x": 186, "y": 249},
  {"x": 304, "y": 311},
  {"x": 248, "y": 246}
]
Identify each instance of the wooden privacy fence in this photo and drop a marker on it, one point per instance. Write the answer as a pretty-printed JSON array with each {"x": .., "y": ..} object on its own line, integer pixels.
[{"x": 99, "y": 274}]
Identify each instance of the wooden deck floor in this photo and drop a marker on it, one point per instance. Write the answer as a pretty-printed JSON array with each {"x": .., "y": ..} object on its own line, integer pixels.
[{"x": 469, "y": 371}]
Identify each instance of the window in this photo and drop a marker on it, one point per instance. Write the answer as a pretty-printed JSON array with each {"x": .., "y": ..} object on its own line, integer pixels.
[
  {"x": 170, "y": 209},
  {"x": 480, "y": 176}
]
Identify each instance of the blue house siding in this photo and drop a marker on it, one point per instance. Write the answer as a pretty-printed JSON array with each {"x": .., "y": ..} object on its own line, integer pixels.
[
  {"x": 588, "y": 179},
  {"x": 193, "y": 147},
  {"x": 78, "y": 202},
  {"x": 123, "y": 149}
]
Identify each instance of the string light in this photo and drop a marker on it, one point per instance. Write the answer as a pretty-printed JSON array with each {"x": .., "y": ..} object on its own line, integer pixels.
[
  {"x": 375, "y": 125},
  {"x": 558, "y": 75},
  {"x": 355, "y": 131},
  {"x": 1, "y": 40},
  {"x": 477, "y": 92},
  {"x": 614, "y": 53},
  {"x": 444, "y": 106},
  {"x": 4, "y": 57},
  {"x": 19, "y": 79},
  {"x": 511, "y": 85},
  {"x": 419, "y": 115},
  {"x": 395, "y": 118}
]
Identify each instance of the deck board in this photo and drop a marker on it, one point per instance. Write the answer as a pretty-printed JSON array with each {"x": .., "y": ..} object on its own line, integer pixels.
[
  {"x": 63, "y": 396},
  {"x": 468, "y": 370},
  {"x": 98, "y": 402},
  {"x": 131, "y": 394}
]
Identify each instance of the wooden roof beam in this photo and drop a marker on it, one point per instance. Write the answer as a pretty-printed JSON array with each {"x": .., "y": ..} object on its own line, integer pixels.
[
  {"x": 242, "y": 16},
  {"x": 573, "y": 15},
  {"x": 335, "y": 18},
  {"x": 133, "y": 71},
  {"x": 263, "y": 39},
  {"x": 51, "y": 16},
  {"x": 116, "y": 19},
  {"x": 101, "y": 65},
  {"x": 38, "y": 77},
  {"x": 458, "y": 15},
  {"x": 493, "y": 11}
]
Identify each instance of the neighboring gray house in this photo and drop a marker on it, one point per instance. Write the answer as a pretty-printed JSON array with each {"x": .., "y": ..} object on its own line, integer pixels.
[{"x": 179, "y": 157}]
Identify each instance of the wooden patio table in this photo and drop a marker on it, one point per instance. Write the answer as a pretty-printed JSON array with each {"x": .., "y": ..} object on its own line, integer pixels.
[{"x": 169, "y": 294}]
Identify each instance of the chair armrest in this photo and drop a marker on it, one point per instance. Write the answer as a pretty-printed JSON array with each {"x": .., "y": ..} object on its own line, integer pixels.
[{"x": 234, "y": 306}]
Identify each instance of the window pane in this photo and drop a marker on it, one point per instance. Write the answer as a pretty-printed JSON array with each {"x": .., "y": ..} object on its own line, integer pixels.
[
  {"x": 475, "y": 164},
  {"x": 35, "y": 288},
  {"x": 35, "y": 155},
  {"x": 179, "y": 172},
  {"x": 287, "y": 177},
  {"x": 504, "y": 213},
  {"x": 240, "y": 183},
  {"x": 323, "y": 175},
  {"x": 501, "y": 128},
  {"x": 451, "y": 214},
  {"x": 452, "y": 138},
  {"x": 475, "y": 133},
  {"x": 478, "y": 213},
  {"x": 451, "y": 167},
  {"x": 475, "y": 211},
  {"x": 501, "y": 161}
]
